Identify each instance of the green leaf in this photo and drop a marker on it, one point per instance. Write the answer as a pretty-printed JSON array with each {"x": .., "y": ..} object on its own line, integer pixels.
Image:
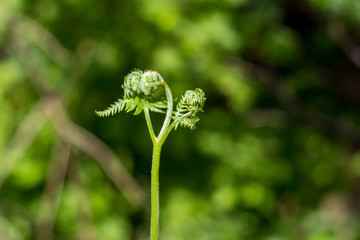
[
  {"x": 140, "y": 106},
  {"x": 113, "y": 109},
  {"x": 131, "y": 104},
  {"x": 122, "y": 104},
  {"x": 156, "y": 106}
]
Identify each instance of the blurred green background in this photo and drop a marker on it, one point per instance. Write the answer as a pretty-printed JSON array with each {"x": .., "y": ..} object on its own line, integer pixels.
[{"x": 275, "y": 156}]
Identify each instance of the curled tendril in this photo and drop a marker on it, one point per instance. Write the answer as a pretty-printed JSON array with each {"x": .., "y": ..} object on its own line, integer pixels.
[
  {"x": 191, "y": 103},
  {"x": 139, "y": 83}
]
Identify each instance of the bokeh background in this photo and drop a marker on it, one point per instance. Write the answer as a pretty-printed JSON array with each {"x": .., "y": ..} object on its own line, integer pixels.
[{"x": 275, "y": 156}]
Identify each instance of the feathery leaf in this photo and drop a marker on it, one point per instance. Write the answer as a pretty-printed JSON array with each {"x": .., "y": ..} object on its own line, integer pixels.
[
  {"x": 122, "y": 104},
  {"x": 156, "y": 106}
]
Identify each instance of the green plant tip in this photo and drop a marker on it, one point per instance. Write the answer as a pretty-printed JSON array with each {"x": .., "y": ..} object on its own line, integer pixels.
[{"x": 139, "y": 90}]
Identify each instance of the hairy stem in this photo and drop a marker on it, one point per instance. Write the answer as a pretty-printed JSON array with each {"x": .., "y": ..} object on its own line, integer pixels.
[
  {"x": 155, "y": 199},
  {"x": 157, "y": 144},
  {"x": 162, "y": 136},
  {"x": 149, "y": 125}
]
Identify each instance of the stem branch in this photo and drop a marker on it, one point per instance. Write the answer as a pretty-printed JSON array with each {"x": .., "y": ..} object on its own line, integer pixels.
[
  {"x": 149, "y": 125},
  {"x": 162, "y": 136}
]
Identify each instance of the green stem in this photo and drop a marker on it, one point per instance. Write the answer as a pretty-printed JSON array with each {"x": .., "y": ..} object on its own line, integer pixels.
[
  {"x": 162, "y": 136},
  {"x": 149, "y": 125},
  {"x": 158, "y": 142},
  {"x": 155, "y": 201}
]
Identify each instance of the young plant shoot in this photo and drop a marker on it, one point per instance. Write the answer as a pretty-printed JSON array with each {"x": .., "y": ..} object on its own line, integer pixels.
[{"x": 139, "y": 96}]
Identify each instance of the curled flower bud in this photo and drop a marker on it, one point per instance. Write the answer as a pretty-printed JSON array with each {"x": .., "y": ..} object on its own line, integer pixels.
[
  {"x": 196, "y": 97},
  {"x": 132, "y": 83},
  {"x": 148, "y": 80},
  {"x": 139, "y": 83},
  {"x": 191, "y": 103}
]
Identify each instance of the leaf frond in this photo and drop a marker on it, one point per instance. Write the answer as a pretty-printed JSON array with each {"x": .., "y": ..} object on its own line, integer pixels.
[
  {"x": 121, "y": 104},
  {"x": 156, "y": 106},
  {"x": 113, "y": 109}
]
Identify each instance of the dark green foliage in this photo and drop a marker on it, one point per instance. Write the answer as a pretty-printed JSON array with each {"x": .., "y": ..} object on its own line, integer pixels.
[{"x": 275, "y": 155}]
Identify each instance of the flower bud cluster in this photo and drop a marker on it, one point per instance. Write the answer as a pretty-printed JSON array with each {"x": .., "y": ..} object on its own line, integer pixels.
[{"x": 142, "y": 84}]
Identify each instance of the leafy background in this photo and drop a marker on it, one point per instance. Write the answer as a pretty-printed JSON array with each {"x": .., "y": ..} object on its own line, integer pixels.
[{"x": 275, "y": 156}]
